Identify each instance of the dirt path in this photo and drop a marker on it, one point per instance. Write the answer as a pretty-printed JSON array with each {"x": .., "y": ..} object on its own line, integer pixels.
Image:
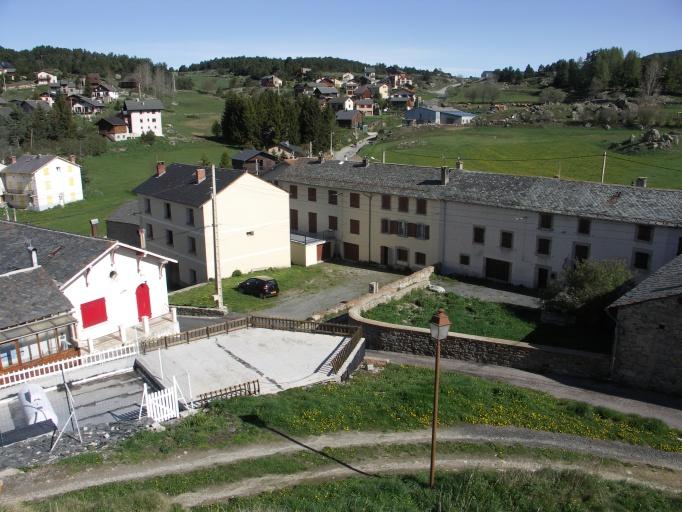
[
  {"x": 53, "y": 480},
  {"x": 650, "y": 477}
]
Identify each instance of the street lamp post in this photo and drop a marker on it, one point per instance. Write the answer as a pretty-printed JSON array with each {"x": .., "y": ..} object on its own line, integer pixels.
[{"x": 439, "y": 331}]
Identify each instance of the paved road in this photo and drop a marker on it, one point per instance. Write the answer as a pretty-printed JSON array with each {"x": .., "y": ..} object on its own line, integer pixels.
[
  {"x": 349, "y": 152},
  {"x": 488, "y": 294},
  {"x": 303, "y": 305},
  {"x": 51, "y": 480},
  {"x": 653, "y": 405}
]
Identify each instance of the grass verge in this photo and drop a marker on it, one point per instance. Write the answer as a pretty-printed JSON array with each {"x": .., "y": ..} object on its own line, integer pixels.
[
  {"x": 397, "y": 399},
  {"x": 114, "y": 495},
  {"x": 470, "y": 490},
  {"x": 481, "y": 318},
  {"x": 293, "y": 280}
]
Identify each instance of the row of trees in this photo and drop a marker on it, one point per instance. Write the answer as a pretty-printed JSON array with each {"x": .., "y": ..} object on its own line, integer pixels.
[
  {"x": 70, "y": 62},
  {"x": 269, "y": 118},
  {"x": 49, "y": 131},
  {"x": 607, "y": 68}
]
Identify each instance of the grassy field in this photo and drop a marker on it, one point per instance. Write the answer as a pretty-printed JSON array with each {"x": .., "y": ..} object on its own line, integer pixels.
[
  {"x": 473, "y": 316},
  {"x": 192, "y": 113},
  {"x": 469, "y": 490},
  {"x": 397, "y": 399},
  {"x": 525, "y": 93},
  {"x": 293, "y": 280},
  {"x": 157, "y": 490},
  {"x": 112, "y": 176},
  {"x": 533, "y": 151}
]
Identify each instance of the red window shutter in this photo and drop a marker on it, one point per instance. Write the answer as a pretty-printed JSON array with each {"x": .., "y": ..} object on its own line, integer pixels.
[{"x": 94, "y": 312}]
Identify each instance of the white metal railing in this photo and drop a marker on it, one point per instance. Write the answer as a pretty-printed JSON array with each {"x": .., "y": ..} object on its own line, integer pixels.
[{"x": 72, "y": 363}]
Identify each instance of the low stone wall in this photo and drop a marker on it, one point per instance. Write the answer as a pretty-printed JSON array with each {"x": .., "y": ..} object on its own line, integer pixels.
[
  {"x": 390, "y": 291},
  {"x": 195, "y": 311},
  {"x": 515, "y": 354}
]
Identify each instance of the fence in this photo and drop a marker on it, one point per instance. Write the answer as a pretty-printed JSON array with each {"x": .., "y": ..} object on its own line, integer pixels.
[
  {"x": 245, "y": 389},
  {"x": 193, "y": 335},
  {"x": 71, "y": 363},
  {"x": 344, "y": 353},
  {"x": 161, "y": 405}
]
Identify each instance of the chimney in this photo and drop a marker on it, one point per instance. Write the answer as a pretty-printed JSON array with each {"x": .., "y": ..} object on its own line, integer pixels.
[
  {"x": 641, "y": 182},
  {"x": 459, "y": 165},
  {"x": 142, "y": 234},
  {"x": 12, "y": 160},
  {"x": 93, "y": 227},
  {"x": 34, "y": 255},
  {"x": 200, "y": 175},
  {"x": 444, "y": 175},
  {"x": 160, "y": 169},
  {"x": 72, "y": 159}
]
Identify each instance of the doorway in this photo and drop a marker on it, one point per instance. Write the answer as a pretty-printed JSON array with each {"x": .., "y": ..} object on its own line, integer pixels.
[{"x": 144, "y": 304}]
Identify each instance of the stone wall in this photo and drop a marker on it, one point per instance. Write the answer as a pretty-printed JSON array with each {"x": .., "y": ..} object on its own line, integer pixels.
[
  {"x": 648, "y": 350},
  {"x": 195, "y": 311},
  {"x": 515, "y": 354}
]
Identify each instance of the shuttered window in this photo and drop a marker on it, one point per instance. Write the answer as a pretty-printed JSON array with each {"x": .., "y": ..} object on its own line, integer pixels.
[{"x": 94, "y": 312}]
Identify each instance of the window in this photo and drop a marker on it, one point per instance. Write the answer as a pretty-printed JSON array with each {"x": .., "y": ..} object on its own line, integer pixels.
[
  {"x": 192, "y": 276},
  {"x": 421, "y": 206},
  {"x": 190, "y": 216},
  {"x": 94, "y": 312},
  {"x": 464, "y": 259},
  {"x": 581, "y": 252},
  {"x": 584, "y": 226},
  {"x": 546, "y": 221},
  {"x": 645, "y": 233},
  {"x": 293, "y": 191},
  {"x": 150, "y": 232},
  {"x": 385, "y": 223},
  {"x": 312, "y": 222},
  {"x": 385, "y": 202},
  {"x": 642, "y": 260},
  {"x": 403, "y": 204},
  {"x": 312, "y": 194},
  {"x": 479, "y": 235},
  {"x": 402, "y": 254},
  {"x": 147, "y": 206},
  {"x": 544, "y": 246},
  {"x": 412, "y": 229},
  {"x": 423, "y": 231},
  {"x": 355, "y": 226},
  {"x": 169, "y": 237},
  {"x": 506, "y": 239},
  {"x": 293, "y": 220},
  {"x": 679, "y": 246},
  {"x": 419, "y": 258},
  {"x": 332, "y": 197},
  {"x": 191, "y": 245},
  {"x": 167, "y": 211},
  {"x": 333, "y": 223},
  {"x": 354, "y": 200}
]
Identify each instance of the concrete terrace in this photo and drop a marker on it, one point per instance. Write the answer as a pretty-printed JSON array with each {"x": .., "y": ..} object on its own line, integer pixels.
[{"x": 278, "y": 359}]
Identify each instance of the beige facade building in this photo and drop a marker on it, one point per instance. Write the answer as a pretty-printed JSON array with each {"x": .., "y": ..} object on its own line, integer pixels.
[
  {"x": 516, "y": 229},
  {"x": 177, "y": 217}
]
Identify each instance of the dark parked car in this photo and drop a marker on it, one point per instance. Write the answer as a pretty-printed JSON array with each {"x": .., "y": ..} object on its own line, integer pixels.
[{"x": 260, "y": 286}]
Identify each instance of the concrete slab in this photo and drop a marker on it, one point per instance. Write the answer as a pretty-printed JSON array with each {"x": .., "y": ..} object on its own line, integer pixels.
[{"x": 278, "y": 359}]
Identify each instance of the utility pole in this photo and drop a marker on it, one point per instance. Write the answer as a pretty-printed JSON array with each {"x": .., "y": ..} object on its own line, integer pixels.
[
  {"x": 603, "y": 168},
  {"x": 216, "y": 244},
  {"x": 331, "y": 143},
  {"x": 383, "y": 157},
  {"x": 310, "y": 149}
]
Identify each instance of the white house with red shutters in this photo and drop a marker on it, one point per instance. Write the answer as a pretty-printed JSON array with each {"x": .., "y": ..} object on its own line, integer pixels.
[{"x": 116, "y": 291}]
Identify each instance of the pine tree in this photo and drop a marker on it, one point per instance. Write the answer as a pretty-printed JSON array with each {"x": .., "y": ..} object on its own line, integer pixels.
[
  {"x": 225, "y": 162},
  {"x": 62, "y": 123}
]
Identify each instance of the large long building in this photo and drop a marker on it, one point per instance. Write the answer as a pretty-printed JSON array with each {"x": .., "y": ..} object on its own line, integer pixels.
[{"x": 518, "y": 229}]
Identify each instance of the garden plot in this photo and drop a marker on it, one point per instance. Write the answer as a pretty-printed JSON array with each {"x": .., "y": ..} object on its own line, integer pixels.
[{"x": 278, "y": 359}]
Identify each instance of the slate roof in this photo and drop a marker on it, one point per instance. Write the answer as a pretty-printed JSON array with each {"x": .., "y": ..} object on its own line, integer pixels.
[
  {"x": 296, "y": 150},
  {"x": 326, "y": 90},
  {"x": 178, "y": 184},
  {"x": 29, "y": 296},
  {"x": 87, "y": 101},
  {"x": 28, "y": 164},
  {"x": 113, "y": 121},
  {"x": 61, "y": 254},
  {"x": 665, "y": 282},
  {"x": 365, "y": 101},
  {"x": 529, "y": 193},
  {"x": 150, "y": 104},
  {"x": 339, "y": 100},
  {"x": 247, "y": 154},
  {"x": 346, "y": 115},
  {"x": 127, "y": 213}
]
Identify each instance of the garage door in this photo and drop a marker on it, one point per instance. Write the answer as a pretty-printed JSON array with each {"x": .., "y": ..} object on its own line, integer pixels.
[
  {"x": 351, "y": 251},
  {"x": 497, "y": 269}
]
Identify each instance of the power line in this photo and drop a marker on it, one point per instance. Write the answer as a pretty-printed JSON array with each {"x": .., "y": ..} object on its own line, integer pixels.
[
  {"x": 644, "y": 164},
  {"x": 500, "y": 159}
]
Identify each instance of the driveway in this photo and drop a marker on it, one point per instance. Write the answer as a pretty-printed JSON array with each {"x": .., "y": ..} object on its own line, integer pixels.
[{"x": 302, "y": 305}]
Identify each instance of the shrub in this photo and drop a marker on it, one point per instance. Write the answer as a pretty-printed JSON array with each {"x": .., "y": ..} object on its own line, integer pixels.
[
  {"x": 552, "y": 95},
  {"x": 237, "y": 273},
  {"x": 148, "y": 138}
]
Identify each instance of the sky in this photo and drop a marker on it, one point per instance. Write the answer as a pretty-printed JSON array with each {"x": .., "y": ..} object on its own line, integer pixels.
[{"x": 461, "y": 37}]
